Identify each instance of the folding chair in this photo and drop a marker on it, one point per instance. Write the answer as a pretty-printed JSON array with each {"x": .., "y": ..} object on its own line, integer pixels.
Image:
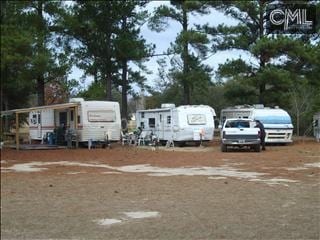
[
  {"x": 142, "y": 138},
  {"x": 124, "y": 138}
]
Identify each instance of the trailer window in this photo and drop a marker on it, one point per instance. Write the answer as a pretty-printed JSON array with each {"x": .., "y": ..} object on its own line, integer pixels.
[
  {"x": 33, "y": 119},
  {"x": 142, "y": 115},
  {"x": 196, "y": 119},
  {"x": 168, "y": 119},
  {"x": 101, "y": 116},
  {"x": 152, "y": 122}
]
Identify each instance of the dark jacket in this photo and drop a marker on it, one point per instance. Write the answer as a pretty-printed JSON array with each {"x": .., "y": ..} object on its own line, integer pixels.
[{"x": 261, "y": 127}]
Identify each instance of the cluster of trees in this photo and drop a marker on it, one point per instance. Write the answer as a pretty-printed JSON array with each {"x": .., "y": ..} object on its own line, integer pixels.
[{"x": 42, "y": 40}]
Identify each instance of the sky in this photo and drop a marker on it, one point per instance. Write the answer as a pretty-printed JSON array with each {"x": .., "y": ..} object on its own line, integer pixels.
[{"x": 162, "y": 41}]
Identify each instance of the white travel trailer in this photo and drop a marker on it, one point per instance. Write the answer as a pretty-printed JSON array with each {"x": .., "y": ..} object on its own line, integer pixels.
[
  {"x": 95, "y": 120},
  {"x": 277, "y": 122},
  {"x": 189, "y": 123}
]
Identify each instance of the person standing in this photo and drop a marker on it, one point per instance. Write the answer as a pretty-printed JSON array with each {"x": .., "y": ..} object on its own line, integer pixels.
[{"x": 262, "y": 134}]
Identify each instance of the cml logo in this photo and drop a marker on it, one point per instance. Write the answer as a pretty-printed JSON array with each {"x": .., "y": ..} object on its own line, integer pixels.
[{"x": 290, "y": 19}]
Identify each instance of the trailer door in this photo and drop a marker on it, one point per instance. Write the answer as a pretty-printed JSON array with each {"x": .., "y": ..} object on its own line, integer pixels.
[
  {"x": 63, "y": 119},
  {"x": 39, "y": 131},
  {"x": 161, "y": 126}
]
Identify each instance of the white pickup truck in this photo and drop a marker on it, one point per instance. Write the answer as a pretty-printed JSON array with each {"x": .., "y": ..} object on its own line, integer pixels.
[{"x": 240, "y": 133}]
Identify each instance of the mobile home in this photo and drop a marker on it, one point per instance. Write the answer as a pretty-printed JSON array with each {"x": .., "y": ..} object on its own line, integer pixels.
[
  {"x": 95, "y": 120},
  {"x": 181, "y": 124},
  {"x": 277, "y": 122}
]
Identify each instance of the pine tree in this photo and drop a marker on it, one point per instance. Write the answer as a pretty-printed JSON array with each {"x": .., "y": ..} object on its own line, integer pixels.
[
  {"x": 180, "y": 11},
  {"x": 16, "y": 55},
  {"x": 281, "y": 62},
  {"x": 109, "y": 38}
]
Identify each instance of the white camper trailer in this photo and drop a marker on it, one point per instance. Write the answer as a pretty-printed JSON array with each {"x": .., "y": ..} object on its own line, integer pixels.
[
  {"x": 96, "y": 120},
  {"x": 277, "y": 122},
  {"x": 180, "y": 124}
]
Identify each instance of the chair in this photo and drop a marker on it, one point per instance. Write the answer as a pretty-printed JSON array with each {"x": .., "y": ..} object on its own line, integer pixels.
[
  {"x": 142, "y": 138},
  {"x": 125, "y": 138}
]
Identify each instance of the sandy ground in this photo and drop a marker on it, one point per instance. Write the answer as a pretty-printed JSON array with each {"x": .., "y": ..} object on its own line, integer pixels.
[{"x": 181, "y": 193}]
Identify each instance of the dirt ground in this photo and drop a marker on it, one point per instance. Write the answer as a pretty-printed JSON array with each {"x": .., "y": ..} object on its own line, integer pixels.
[{"x": 177, "y": 193}]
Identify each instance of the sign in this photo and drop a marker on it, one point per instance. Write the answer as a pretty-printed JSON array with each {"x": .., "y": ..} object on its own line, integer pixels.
[
  {"x": 196, "y": 119},
  {"x": 290, "y": 18},
  {"x": 101, "y": 116}
]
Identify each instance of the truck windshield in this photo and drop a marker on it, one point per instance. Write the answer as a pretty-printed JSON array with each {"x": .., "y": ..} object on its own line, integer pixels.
[{"x": 237, "y": 124}]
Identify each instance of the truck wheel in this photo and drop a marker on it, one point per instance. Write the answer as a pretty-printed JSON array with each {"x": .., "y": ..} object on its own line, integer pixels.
[
  {"x": 257, "y": 148},
  {"x": 224, "y": 148}
]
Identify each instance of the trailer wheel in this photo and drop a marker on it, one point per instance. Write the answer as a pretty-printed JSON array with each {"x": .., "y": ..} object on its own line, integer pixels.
[
  {"x": 224, "y": 148},
  {"x": 257, "y": 148}
]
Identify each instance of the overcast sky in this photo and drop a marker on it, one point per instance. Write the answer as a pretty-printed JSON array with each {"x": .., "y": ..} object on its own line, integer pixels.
[{"x": 162, "y": 41}]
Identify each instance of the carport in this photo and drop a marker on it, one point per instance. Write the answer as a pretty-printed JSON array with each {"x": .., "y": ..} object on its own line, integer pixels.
[{"x": 17, "y": 112}]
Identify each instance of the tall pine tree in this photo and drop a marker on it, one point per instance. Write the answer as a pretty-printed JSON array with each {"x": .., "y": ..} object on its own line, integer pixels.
[{"x": 185, "y": 70}]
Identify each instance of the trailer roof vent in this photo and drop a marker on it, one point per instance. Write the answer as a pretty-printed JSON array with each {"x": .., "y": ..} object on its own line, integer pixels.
[
  {"x": 168, "y": 105},
  {"x": 258, "y": 106},
  {"x": 74, "y": 100}
]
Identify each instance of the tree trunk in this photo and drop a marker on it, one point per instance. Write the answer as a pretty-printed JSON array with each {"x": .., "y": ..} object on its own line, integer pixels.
[
  {"x": 124, "y": 109},
  {"x": 298, "y": 123},
  {"x": 40, "y": 90},
  {"x": 262, "y": 85},
  {"x": 4, "y": 107},
  {"x": 124, "y": 80},
  {"x": 109, "y": 86},
  {"x": 40, "y": 49},
  {"x": 185, "y": 54}
]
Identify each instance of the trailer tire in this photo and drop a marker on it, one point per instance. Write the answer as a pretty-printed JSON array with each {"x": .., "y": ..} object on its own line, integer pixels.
[{"x": 224, "y": 148}]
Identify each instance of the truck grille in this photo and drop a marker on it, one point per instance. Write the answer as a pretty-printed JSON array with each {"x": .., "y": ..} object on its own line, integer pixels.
[{"x": 235, "y": 137}]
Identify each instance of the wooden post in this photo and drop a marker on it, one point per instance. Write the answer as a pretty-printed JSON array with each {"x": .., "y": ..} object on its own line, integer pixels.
[{"x": 17, "y": 131}]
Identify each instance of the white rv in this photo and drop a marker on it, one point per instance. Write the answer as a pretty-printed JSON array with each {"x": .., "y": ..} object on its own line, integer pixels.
[
  {"x": 187, "y": 123},
  {"x": 95, "y": 120},
  {"x": 277, "y": 122}
]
